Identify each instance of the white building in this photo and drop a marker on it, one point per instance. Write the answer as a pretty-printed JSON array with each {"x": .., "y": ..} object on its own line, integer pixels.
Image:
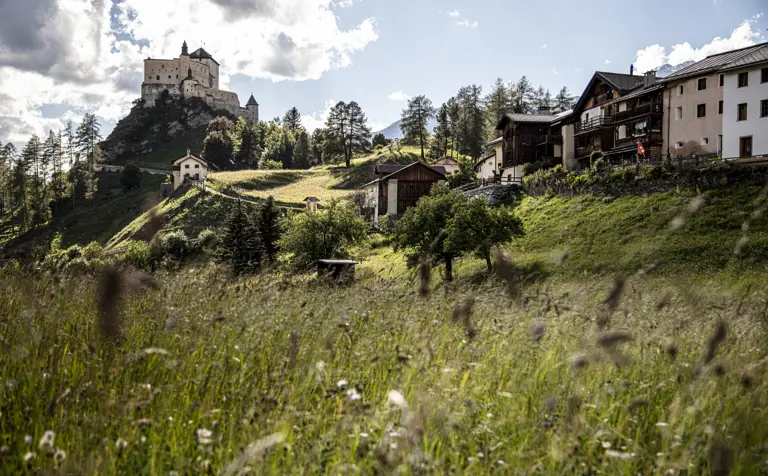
[
  {"x": 189, "y": 167},
  {"x": 490, "y": 165},
  {"x": 745, "y": 105},
  {"x": 193, "y": 75}
]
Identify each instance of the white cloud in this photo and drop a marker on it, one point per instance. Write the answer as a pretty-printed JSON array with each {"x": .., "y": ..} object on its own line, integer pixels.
[
  {"x": 76, "y": 61},
  {"x": 554, "y": 71},
  {"x": 454, "y": 13},
  {"x": 655, "y": 56},
  {"x": 467, "y": 23},
  {"x": 543, "y": 47},
  {"x": 399, "y": 96},
  {"x": 317, "y": 120}
]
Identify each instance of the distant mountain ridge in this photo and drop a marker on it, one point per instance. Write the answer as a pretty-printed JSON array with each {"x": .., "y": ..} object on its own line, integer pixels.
[
  {"x": 393, "y": 132},
  {"x": 668, "y": 69}
]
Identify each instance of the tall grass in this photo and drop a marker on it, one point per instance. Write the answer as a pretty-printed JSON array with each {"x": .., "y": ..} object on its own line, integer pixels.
[{"x": 288, "y": 376}]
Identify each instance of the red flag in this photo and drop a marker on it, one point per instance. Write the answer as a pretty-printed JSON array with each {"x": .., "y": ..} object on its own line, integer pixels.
[{"x": 640, "y": 149}]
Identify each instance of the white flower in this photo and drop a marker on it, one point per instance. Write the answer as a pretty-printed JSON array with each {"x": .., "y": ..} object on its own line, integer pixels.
[
  {"x": 29, "y": 456},
  {"x": 363, "y": 435},
  {"x": 662, "y": 424},
  {"x": 618, "y": 454},
  {"x": 121, "y": 444},
  {"x": 489, "y": 415},
  {"x": 341, "y": 384},
  {"x": 396, "y": 398},
  {"x": 28, "y": 439},
  {"x": 204, "y": 436},
  {"x": 352, "y": 395},
  {"x": 605, "y": 444},
  {"x": 60, "y": 456},
  {"x": 46, "y": 442},
  {"x": 320, "y": 366}
]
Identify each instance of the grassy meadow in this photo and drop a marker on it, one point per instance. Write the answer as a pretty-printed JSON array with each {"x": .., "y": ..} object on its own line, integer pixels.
[{"x": 628, "y": 337}]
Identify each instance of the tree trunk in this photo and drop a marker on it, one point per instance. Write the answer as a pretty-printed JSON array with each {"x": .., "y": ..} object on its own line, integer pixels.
[
  {"x": 448, "y": 268},
  {"x": 488, "y": 262}
]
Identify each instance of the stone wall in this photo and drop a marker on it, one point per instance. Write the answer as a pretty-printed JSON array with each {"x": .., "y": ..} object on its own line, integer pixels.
[{"x": 497, "y": 194}]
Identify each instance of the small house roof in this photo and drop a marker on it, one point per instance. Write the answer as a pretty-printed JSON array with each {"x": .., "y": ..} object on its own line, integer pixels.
[
  {"x": 252, "y": 101},
  {"x": 190, "y": 156},
  {"x": 623, "y": 83},
  {"x": 388, "y": 171},
  {"x": 639, "y": 92},
  {"x": 496, "y": 141},
  {"x": 446, "y": 159},
  {"x": 312, "y": 199},
  {"x": 480, "y": 162}
]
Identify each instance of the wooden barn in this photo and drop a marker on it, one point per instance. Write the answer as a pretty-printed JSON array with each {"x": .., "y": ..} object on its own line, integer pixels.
[{"x": 399, "y": 187}]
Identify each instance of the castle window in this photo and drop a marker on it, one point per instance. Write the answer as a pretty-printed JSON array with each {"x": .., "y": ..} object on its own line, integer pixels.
[
  {"x": 158, "y": 78},
  {"x": 169, "y": 76}
]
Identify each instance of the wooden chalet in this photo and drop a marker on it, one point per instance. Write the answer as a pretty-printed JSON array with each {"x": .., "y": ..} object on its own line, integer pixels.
[
  {"x": 594, "y": 112},
  {"x": 528, "y": 138},
  {"x": 398, "y": 187},
  {"x": 638, "y": 117}
]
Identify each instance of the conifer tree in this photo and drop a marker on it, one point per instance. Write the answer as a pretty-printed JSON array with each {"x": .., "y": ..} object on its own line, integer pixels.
[
  {"x": 497, "y": 103},
  {"x": 292, "y": 120},
  {"x": 442, "y": 134},
  {"x": 454, "y": 120},
  {"x": 471, "y": 120},
  {"x": 269, "y": 228},
  {"x": 241, "y": 246},
  {"x": 300, "y": 158},
  {"x": 88, "y": 137},
  {"x": 525, "y": 96},
  {"x": 347, "y": 130},
  {"x": 246, "y": 140},
  {"x": 414, "y": 121},
  {"x": 564, "y": 99}
]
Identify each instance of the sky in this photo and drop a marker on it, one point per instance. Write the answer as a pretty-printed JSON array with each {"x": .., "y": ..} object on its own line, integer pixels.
[{"x": 60, "y": 59}]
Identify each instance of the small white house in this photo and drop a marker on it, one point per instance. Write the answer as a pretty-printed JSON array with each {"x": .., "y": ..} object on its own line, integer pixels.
[
  {"x": 490, "y": 165},
  {"x": 450, "y": 164},
  {"x": 189, "y": 167}
]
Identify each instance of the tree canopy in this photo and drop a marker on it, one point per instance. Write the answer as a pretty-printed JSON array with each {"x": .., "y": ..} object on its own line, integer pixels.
[{"x": 415, "y": 119}]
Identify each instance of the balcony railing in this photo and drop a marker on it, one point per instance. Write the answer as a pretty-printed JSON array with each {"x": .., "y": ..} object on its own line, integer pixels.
[
  {"x": 585, "y": 151},
  {"x": 594, "y": 123},
  {"x": 654, "y": 108},
  {"x": 654, "y": 137},
  {"x": 549, "y": 139}
]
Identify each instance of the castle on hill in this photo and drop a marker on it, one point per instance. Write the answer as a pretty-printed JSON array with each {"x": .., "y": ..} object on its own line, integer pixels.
[{"x": 193, "y": 75}]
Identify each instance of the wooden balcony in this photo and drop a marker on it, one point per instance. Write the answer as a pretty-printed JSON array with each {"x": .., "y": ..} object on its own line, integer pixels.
[
  {"x": 593, "y": 124},
  {"x": 645, "y": 109},
  {"x": 585, "y": 151},
  {"x": 549, "y": 139},
  {"x": 654, "y": 137}
]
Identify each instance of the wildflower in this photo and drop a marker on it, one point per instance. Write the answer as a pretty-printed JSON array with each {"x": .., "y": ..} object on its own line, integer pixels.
[
  {"x": 46, "y": 442},
  {"x": 204, "y": 436},
  {"x": 28, "y": 439},
  {"x": 29, "y": 456},
  {"x": 341, "y": 384},
  {"x": 662, "y": 424},
  {"x": 607, "y": 445},
  {"x": 120, "y": 444},
  {"x": 320, "y": 366},
  {"x": 396, "y": 398},
  {"x": 352, "y": 395},
  {"x": 619, "y": 455},
  {"x": 60, "y": 456},
  {"x": 363, "y": 435}
]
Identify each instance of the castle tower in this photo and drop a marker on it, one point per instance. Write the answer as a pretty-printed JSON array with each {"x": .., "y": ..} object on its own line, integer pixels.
[
  {"x": 184, "y": 49},
  {"x": 253, "y": 109}
]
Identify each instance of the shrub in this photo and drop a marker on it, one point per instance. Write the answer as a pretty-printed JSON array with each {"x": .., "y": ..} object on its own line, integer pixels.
[
  {"x": 93, "y": 251},
  {"x": 387, "y": 224},
  {"x": 272, "y": 165},
  {"x": 596, "y": 161},
  {"x": 208, "y": 239},
  {"x": 327, "y": 234},
  {"x": 175, "y": 245},
  {"x": 138, "y": 254},
  {"x": 130, "y": 177},
  {"x": 241, "y": 245}
]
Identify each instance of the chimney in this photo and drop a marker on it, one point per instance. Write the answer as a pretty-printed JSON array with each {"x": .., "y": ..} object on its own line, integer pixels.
[
  {"x": 188, "y": 152},
  {"x": 649, "y": 79},
  {"x": 631, "y": 69}
]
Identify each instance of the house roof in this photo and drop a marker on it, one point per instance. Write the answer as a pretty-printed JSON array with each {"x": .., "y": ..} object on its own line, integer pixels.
[
  {"x": 252, "y": 101},
  {"x": 492, "y": 155},
  {"x": 392, "y": 170},
  {"x": 754, "y": 56},
  {"x": 189, "y": 156},
  {"x": 446, "y": 159},
  {"x": 202, "y": 54},
  {"x": 311, "y": 199},
  {"x": 624, "y": 83},
  {"x": 639, "y": 92},
  {"x": 496, "y": 141},
  {"x": 713, "y": 62}
]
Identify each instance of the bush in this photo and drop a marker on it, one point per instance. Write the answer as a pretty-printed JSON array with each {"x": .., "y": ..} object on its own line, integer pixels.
[
  {"x": 272, "y": 165},
  {"x": 138, "y": 254},
  {"x": 175, "y": 246},
  {"x": 596, "y": 161},
  {"x": 387, "y": 224},
  {"x": 93, "y": 251},
  {"x": 327, "y": 234},
  {"x": 131, "y": 177},
  {"x": 208, "y": 239}
]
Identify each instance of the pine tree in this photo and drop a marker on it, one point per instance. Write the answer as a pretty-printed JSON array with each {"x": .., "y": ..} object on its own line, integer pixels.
[
  {"x": 497, "y": 104},
  {"x": 58, "y": 179},
  {"x": 301, "y": 150},
  {"x": 88, "y": 137},
  {"x": 69, "y": 149},
  {"x": 347, "y": 129},
  {"x": 564, "y": 99},
  {"x": 292, "y": 120},
  {"x": 269, "y": 228},
  {"x": 415, "y": 119},
  {"x": 246, "y": 144},
  {"x": 241, "y": 246},
  {"x": 442, "y": 134},
  {"x": 218, "y": 146},
  {"x": 525, "y": 96},
  {"x": 454, "y": 119},
  {"x": 471, "y": 120},
  {"x": 317, "y": 144},
  {"x": 34, "y": 158}
]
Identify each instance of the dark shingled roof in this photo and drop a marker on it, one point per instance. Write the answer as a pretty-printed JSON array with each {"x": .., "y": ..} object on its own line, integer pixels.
[
  {"x": 639, "y": 92},
  {"x": 622, "y": 82},
  {"x": 713, "y": 63},
  {"x": 202, "y": 54},
  {"x": 252, "y": 101}
]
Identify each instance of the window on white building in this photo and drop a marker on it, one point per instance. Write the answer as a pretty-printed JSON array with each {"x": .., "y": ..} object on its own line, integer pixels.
[
  {"x": 722, "y": 80},
  {"x": 743, "y": 79},
  {"x": 705, "y": 141},
  {"x": 764, "y": 75},
  {"x": 702, "y": 84},
  {"x": 701, "y": 110},
  {"x": 680, "y": 90},
  {"x": 678, "y": 113},
  {"x": 764, "y": 108},
  {"x": 720, "y": 108}
]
